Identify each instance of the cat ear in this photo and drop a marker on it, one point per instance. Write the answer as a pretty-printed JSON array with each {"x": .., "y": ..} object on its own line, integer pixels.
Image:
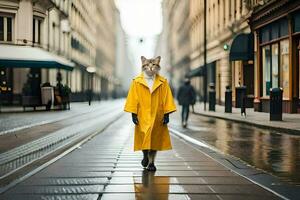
[
  {"x": 143, "y": 59},
  {"x": 157, "y": 60}
]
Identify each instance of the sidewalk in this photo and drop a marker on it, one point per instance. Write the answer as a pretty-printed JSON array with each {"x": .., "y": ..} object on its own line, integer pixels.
[
  {"x": 290, "y": 123},
  {"x": 107, "y": 168}
]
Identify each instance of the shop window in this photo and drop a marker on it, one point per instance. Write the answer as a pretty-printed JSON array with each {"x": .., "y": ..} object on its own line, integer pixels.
[
  {"x": 266, "y": 61},
  {"x": 5, "y": 29},
  {"x": 265, "y": 34},
  {"x": 284, "y": 67},
  {"x": 284, "y": 28},
  {"x": 274, "y": 31},
  {"x": 275, "y": 66},
  {"x": 296, "y": 22}
]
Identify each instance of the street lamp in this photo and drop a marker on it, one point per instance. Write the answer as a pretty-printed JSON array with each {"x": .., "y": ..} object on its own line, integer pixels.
[
  {"x": 91, "y": 71},
  {"x": 205, "y": 55}
]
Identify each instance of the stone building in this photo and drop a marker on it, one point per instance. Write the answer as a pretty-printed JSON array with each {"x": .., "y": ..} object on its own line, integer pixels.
[
  {"x": 176, "y": 23},
  {"x": 226, "y": 22},
  {"x": 43, "y": 37}
]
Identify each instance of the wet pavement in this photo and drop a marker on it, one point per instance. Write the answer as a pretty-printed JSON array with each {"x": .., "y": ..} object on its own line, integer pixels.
[
  {"x": 28, "y": 148},
  {"x": 270, "y": 150},
  {"x": 12, "y": 122},
  {"x": 107, "y": 168}
]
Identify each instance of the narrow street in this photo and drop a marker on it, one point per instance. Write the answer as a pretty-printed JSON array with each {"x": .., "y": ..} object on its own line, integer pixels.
[{"x": 105, "y": 166}]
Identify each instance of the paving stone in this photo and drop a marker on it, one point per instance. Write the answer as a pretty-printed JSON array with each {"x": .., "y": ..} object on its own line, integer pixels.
[{"x": 107, "y": 166}]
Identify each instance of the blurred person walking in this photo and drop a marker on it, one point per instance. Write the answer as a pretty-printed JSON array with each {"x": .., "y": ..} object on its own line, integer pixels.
[{"x": 186, "y": 96}]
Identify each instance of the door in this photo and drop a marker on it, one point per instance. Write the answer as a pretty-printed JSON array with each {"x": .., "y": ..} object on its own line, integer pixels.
[
  {"x": 6, "y": 86},
  {"x": 35, "y": 81},
  {"x": 248, "y": 77}
]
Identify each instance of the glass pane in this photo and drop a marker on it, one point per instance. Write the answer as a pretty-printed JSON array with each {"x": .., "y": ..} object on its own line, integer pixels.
[
  {"x": 284, "y": 67},
  {"x": 33, "y": 30},
  {"x": 39, "y": 31},
  {"x": 274, "y": 30},
  {"x": 1, "y": 29},
  {"x": 284, "y": 29},
  {"x": 297, "y": 22},
  {"x": 9, "y": 29},
  {"x": 266, "y": 70},
  {"x": 275, "y": 66},
  {"x": 265, "y": 34}
]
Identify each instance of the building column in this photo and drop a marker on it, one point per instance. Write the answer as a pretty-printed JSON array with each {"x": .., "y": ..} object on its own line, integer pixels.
[
  {"x": 257, "y": 73},
  {"x": 24, "y": 22}
]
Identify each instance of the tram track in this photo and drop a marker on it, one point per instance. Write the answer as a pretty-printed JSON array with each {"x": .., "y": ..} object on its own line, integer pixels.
[{"x": 31, "y": 155}]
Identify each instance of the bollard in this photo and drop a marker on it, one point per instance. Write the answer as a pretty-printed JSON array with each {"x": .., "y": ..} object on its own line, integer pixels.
[
  {"x": 212, "y": 97},
  {"x": 276, "y": 104},
  {"x": 228, "y": 100}
]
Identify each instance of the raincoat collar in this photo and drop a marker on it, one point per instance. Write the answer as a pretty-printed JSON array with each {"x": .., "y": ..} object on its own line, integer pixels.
[{"x": 157, "y": 82}]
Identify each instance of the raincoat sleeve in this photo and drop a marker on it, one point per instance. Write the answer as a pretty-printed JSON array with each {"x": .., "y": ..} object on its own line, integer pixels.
[
  {"x": 131, "y": 104},
  {"x": 169, "y": 105}
]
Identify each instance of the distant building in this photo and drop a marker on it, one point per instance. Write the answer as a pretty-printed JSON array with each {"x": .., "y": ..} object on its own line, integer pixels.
[{"x": 176, "y": 32}]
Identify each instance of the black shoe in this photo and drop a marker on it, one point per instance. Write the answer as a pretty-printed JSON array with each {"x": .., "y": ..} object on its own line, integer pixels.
[
  {"x": 145, "y": 162},
  {"x": 151, "y": 167}
]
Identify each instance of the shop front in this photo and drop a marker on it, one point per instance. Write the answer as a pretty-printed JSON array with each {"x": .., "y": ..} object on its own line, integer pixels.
[
  {"x": 241, "y": 58},
  {"x": 24, "y": 69},
  {"x": 277, "y": 35}
]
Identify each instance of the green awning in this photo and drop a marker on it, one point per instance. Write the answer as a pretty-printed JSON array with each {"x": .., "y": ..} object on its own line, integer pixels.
[
  {"x": 13, "y": 56},
  {"x": 242, "y": 47}
]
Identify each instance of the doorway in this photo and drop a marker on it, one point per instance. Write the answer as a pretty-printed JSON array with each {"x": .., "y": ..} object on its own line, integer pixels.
[
  {"x": 248, "y": 79},
  {"x": 6, "y": 86}
]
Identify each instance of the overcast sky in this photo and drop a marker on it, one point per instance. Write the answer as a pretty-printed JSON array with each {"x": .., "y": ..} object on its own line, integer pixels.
[{"x": 141, "y": 19}]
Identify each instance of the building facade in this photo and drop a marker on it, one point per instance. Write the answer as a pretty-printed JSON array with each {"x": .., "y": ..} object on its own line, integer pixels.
[
  {"x": 71, "y": 30},
  {"x": 225, "y": 21},
  {"x": 176, "y": 27},
  {"x": 276, "y": 27}
]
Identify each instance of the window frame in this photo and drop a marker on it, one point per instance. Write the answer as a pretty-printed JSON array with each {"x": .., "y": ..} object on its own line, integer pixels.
[{"x": 5, "y": 16}]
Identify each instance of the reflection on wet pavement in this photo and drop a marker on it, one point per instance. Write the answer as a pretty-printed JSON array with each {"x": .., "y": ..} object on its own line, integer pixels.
[
  {"x": 151, "y": 186},
  {"x": 272, "y": 151}
]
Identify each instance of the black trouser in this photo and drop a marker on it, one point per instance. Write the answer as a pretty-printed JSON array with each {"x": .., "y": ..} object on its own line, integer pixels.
[{"x": 185, "y": 112}]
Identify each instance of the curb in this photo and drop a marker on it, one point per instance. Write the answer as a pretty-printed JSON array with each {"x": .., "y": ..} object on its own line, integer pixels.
[{"x": 281, "y": 129}]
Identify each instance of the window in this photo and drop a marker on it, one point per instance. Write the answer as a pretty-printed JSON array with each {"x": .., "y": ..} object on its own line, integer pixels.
[
  {"x": 284, "y": 67},
  {"x": 5, "y": 29},
  {"x": 1, "y": 28},
  {"x": 275, "y": 66},
  {"x": 296, "y": 24},
  {"x": 36, "y": 30},
  {"x": 274, "y": 31},
  {"x": 266, "y": 70}
]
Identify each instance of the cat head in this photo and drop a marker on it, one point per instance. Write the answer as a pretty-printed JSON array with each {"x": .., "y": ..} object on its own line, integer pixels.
[{"x": 150, "y": 66}]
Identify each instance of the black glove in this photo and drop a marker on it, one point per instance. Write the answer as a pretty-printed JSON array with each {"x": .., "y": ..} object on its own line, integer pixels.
[
  {"x": 135, "y": 119},
  {"x": 166, "y": 119}
]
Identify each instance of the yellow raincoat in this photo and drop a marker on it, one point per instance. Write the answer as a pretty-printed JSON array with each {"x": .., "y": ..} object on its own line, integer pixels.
[{"x": 150, "y": 108}]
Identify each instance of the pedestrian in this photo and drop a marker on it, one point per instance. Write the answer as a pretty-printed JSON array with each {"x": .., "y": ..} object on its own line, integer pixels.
[
  {"x": 186, "y": 96},
  {"x": 150, "y": 101}
]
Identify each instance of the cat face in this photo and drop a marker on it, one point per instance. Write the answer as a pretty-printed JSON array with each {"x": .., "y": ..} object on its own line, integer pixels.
[{"x": 150, "y": 66}]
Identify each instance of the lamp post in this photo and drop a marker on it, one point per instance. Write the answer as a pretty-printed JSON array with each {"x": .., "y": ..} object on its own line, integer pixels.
[
  {"x": 205, "y": 55},
  {"x": 91, "y": 71}
]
